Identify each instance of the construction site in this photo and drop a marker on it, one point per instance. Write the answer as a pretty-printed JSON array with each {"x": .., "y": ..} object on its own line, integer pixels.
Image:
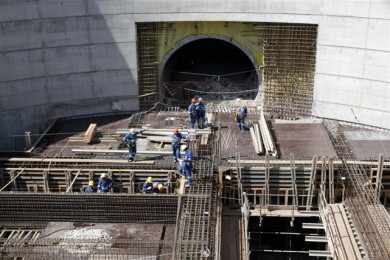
[{"x": 304, "y": 175}]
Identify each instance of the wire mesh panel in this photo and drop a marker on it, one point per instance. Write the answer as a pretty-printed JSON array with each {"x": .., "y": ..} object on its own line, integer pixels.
[
  {"x": 289, "y": 64},
  {"x": 99, "y": 208}
]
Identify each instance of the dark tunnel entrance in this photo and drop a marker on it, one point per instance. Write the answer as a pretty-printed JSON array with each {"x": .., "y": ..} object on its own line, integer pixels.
[{"x": 212, "y": 68}]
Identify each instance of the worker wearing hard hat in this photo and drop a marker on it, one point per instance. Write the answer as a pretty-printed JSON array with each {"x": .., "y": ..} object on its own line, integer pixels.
[
  {"x": 186, "y": 166},
  {"x": 148, "y": 185},
  {"x": 192, "y": 112},
  {"x": 90, "y": 188},
  {"x": 176, "y": 141},
  {"x": 130, "y": 139},
  {"x": 104, "y": 184},
  {"x": 241, "y": 117},
  {"x": 200, "y": 113}
]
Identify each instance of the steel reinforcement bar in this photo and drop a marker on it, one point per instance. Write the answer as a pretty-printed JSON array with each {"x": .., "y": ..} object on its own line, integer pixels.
[{"x": 94, "y": 208}]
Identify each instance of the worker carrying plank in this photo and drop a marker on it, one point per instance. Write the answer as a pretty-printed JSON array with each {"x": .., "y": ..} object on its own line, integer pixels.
[
  {"x": 130, "y": 139},
  {"x": 177, "y": 137},
  {"x": 186, "y": 166},
  {"x": 200, "y": 108},
  {"x": 241, "y": 117},
  {"x": 104, "y": 184}
]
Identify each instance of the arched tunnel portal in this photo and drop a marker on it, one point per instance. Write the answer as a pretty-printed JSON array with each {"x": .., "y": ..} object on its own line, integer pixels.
[{"x": 214, "y": 68}]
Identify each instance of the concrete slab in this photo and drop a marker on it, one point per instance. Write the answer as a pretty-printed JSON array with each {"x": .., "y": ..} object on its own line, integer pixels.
[
  {"x": 368, "y": 144},
  {"x": 303, "y": 140}
]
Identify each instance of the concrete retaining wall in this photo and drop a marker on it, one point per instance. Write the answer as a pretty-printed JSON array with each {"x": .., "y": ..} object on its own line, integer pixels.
[{"x": 60, "y": 58}]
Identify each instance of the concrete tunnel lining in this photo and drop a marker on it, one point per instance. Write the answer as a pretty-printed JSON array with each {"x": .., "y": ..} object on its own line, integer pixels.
[{"x": 184, "y": 43}]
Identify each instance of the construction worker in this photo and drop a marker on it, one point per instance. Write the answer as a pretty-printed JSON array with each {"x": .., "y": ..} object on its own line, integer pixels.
[
  {"x": 176, "y": 141},
  {"x": 192, "y": 112},
  {"x": 161, "y": 188},
  {"x": 241, "y": 117},
  {"x": 104, "y": 184},
  {"x": 90, "y": 188},
  {"x": 186, "y": 166},
  {"x": 130, "y": 139},
  {"x": 158, "y": 187},
  {"x": 201, "y": 113},
  {"x": 148, "y": 185}
]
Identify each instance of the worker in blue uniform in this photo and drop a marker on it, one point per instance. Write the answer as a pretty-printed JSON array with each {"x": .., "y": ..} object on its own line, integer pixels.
[
  {"x": 241, "y": 117},
  {"x": 90, "y": 188},
  {"x": 186, "y": 166},
  {"x": 200, "y": 113},
  {"x": 130, "y": 139},
  {"x": 177, "y": 137},
  {"x": 148, "y": 185},
  {"x": 104, "y": 184},
  {"x": 192, "y": 112}
]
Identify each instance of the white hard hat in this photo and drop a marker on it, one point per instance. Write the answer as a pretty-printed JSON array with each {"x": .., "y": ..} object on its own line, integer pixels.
[
  {"x": 200, "y": 99},
  {"x": 103, "y": 175},
  {"x": 184, "y": 147},
  {"x": 238, "y": 99}
]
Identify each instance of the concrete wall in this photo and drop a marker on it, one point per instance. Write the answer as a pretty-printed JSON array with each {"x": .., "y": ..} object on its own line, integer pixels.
[{"x": 69, "y": 57}]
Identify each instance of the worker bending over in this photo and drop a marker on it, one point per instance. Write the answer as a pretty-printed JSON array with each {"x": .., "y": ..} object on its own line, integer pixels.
[
  {"x": 200, "y": 113},
  {"x": 186, "y": 166},
  {"x": 148, "y": 185},
  {"x": 104, "y": 184},
  {"x": 241, "y": 117},
  {"x": 192, "y": 111},
  {"x": 130, "y": 139},
  {"x": 90, "y": 188},
  {"x": 176, "y": 141}
]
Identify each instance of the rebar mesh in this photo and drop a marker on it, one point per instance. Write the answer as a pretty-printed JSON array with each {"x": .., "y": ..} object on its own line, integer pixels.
[
  {"x": 289, "y": 63},
  {"x": 371, "y": 219}
]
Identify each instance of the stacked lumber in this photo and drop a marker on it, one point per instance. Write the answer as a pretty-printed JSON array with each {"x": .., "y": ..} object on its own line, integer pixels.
[
  {"x": 267, "y": 137},
  {"x": 256, "y": 138}
]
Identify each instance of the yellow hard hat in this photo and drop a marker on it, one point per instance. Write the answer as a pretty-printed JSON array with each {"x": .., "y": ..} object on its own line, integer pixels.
[
  {"x": 149, "y": 180},
  {"x": 160, "y": 186},
  {"x": 91, "y": 183}
]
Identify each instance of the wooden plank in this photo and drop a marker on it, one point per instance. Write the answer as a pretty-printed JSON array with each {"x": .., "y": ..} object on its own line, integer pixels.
[
  {"x": 307, "y": 162},
  {"x": 89, "y": 170},
  {"x": 254, "y": 140},
  {"x": 13, "y": 179},
  {"x": 258, "y": 138},
  {"x": 204, "y": 139},
  {"x": 90, "y": 133},
  {"x": 73, "y": 181},
  {"x": 121, "y": 151},
  {"x": 70, "y": 160}
]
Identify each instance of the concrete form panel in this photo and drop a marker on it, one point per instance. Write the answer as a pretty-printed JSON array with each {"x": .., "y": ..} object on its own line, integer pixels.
[
  {"x": 65, "y": 60},
  {"x": 61, "y": 8},
  {"x": 110, "y": 6},
  {"x": 340, "y": 61},
  {"x": 20, "y": 65},
  {"x": 65, "y": 31},
  {"x": 378, "y": 37},
  {"x": 380, "y": 9},
  {"x": 11, "y": 10},
  {"x": 343, "y": 31},
  {"x": 117, "y": 28},
  {"x": 357, "y": 8}
]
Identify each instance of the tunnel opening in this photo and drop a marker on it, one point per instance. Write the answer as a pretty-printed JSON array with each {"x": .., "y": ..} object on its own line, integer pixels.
[{"x": 214, "y": 69}]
